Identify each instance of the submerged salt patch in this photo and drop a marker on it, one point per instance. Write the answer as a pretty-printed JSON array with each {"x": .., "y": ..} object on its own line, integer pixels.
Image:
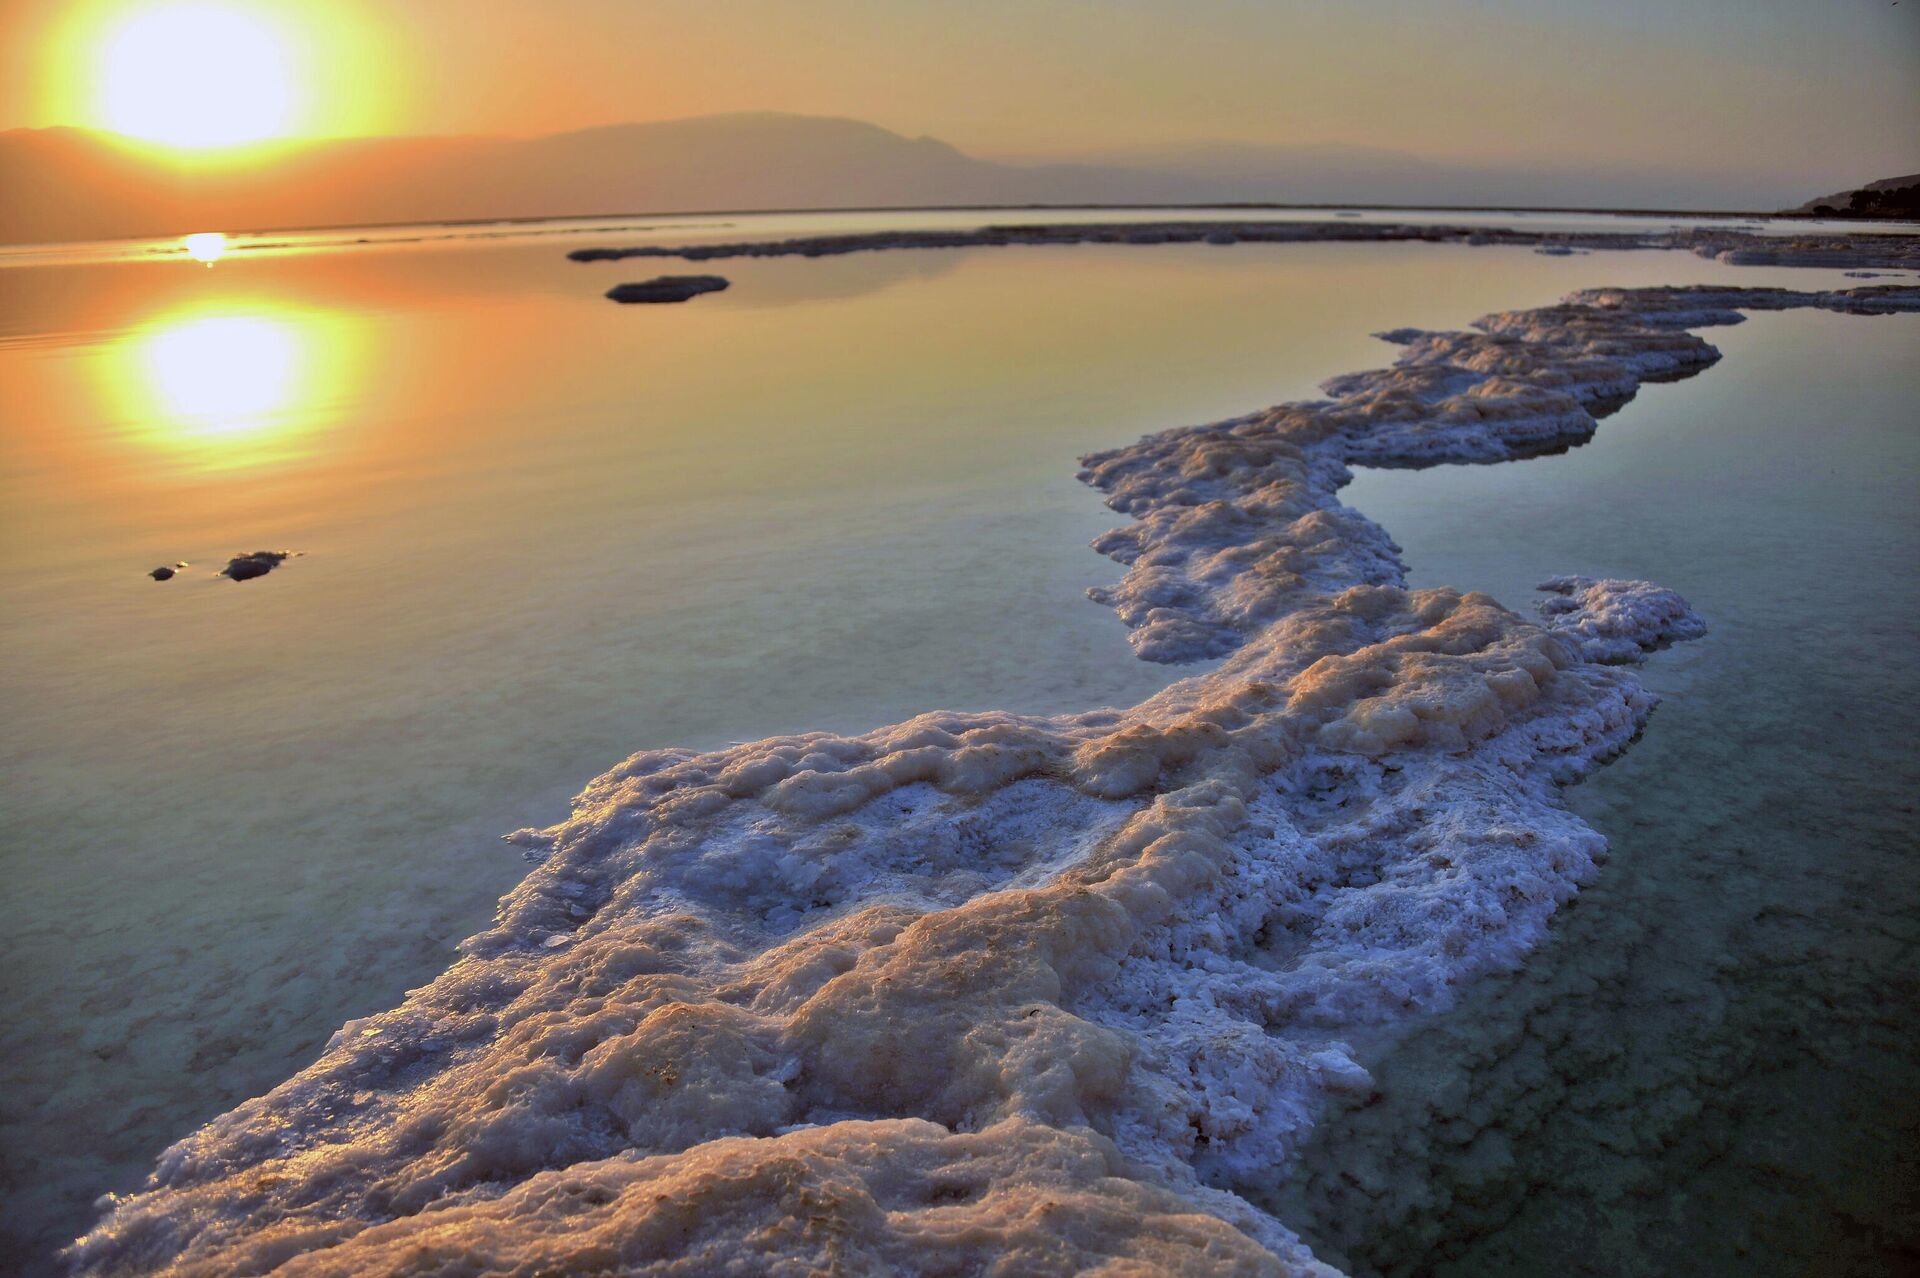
[{"x": 984, "y": 984}]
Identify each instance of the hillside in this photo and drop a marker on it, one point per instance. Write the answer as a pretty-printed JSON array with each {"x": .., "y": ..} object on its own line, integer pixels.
[
  {"x": 1894, "y": 198},
  {"x": 71, "y": 184},
  {"x": 65, "y": 184}
]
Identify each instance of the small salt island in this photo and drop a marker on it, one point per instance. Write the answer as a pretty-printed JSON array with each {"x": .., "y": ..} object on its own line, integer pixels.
[{"x": 667, "y": 288}]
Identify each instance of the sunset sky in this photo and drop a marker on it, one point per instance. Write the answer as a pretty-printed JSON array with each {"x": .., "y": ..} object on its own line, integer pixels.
[{"x": 1725, "y": 85}]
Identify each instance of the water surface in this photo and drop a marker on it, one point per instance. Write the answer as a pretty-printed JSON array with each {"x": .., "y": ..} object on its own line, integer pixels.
[
  {"x": 1713, "y": 1065},
  {"x": 538, "y": 532}
]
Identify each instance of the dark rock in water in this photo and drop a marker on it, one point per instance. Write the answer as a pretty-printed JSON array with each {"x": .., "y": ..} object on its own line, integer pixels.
[
  {"x": 162, "y": 573},
  {"x": 1223, "y": 238},
  {"x": 257, "y": 564},
  {"x": 667, "y": 288}
]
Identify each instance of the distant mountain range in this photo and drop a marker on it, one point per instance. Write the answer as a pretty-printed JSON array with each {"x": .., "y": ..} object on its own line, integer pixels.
[
  {"x": 1894, "y": 197},
  {"x": 73, "y": 184}
]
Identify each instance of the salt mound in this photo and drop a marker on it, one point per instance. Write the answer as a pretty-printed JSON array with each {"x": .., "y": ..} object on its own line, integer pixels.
[
  {"x": 994, "y": 990},
  {"x": 1618, "y": 621},
  {"x": 895, "y": 1196}
]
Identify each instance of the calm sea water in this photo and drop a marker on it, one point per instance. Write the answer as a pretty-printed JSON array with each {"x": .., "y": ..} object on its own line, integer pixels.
[
  {"x": 1713, "y": 1065},
  {"x": 540, "y": 531},
  {"x": 690, "y": 228}
]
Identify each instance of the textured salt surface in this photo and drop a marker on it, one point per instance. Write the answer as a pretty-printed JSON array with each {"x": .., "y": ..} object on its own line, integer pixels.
[
  {"x": 984, "y": 985},
  {"x": 1714, "y": 1054}
]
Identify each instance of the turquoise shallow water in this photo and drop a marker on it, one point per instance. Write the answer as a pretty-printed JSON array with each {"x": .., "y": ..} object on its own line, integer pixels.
[
  {"x": 541, "y": 531},
  {"x": 1713, "y": 1066}
]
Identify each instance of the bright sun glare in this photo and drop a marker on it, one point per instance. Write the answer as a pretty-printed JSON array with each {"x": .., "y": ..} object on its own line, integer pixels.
[
  {"x": 220, "y": 374},
  {"x": 242, "y": 381},
  {"x": 205, "y": 246},
  {"x": 195, "y": 75}
]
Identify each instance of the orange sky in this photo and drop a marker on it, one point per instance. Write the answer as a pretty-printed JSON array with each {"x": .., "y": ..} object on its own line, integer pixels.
[{"x": 1726, "y": 85}]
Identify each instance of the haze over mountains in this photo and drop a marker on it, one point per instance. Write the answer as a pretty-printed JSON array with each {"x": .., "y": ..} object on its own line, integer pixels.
[{"x": 72, "y": 184}]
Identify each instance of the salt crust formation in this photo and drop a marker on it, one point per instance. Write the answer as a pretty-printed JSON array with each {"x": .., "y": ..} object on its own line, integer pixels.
[
  {"x": 988, "y": 993},
  {"x": 1725, "y": 243}
]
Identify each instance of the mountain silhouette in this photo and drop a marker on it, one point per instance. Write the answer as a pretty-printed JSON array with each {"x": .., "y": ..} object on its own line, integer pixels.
[{"x": 74, "y": 184}]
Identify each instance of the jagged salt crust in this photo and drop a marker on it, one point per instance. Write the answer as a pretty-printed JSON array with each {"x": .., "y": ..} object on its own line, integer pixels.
[
  {"x": 988, "y": 991},
  {"x": 1237, "y": 521}
]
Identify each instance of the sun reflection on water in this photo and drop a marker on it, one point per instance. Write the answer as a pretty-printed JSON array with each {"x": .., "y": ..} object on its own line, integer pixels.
[
  {"x": 236, "y": 386},
  {"x": 223, "y": 373}
]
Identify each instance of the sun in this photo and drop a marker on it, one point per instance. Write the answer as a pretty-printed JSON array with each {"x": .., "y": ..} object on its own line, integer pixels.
[{"x": 195, "y": 76}]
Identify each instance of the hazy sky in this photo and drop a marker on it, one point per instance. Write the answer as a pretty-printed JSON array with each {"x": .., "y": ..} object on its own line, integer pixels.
[{"x": 1821, "y": 86}]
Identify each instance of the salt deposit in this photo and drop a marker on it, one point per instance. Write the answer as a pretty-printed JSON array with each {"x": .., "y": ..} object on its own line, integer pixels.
[
  {"x": 988, "y": 988},
  {"x": 666, "y": 288},
  {"x": 1725, "y": 243}
]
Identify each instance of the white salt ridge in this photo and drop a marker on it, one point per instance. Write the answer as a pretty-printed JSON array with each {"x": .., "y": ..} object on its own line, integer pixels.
[{"x": 991, "y": 990}]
